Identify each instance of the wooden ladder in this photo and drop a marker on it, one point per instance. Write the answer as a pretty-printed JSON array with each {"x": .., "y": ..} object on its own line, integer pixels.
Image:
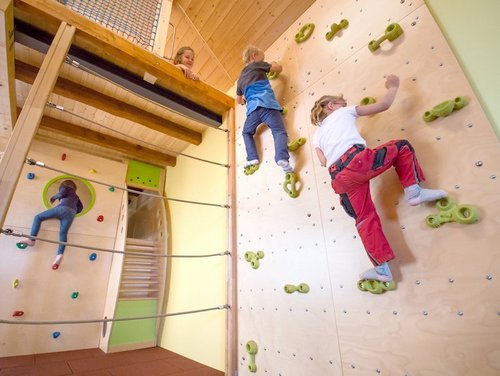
[{"x": 141, "y": 274}]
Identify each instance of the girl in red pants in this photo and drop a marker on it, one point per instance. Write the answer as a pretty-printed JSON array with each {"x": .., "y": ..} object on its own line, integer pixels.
[{"x": 351, "y": 164}]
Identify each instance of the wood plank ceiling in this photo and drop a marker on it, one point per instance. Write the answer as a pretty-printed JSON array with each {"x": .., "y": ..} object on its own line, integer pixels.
[
  {"x": 219, "y": 31},
  {"x": 105, "y": 119}
]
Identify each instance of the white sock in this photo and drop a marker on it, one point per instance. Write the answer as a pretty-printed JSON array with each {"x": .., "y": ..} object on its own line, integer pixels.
[
  {"x": 415, "y": 195},
  {"x": 57, "y": 262},
  {"x": 285, "y": 165},
  {"x": 379, "y": 273},
  {"x": 252, "y": 162}
]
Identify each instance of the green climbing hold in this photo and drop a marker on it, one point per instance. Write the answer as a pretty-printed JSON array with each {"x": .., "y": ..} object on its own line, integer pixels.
[
  {"x": 367, "y": 100},
  {"x": 294, "y": 145},
  {"x": 251, "y": 348},
  {"x": 392, "y": 32},
  {"x": 450, "y": 212},
  {"x": 335, "y": 28},
  {"x": 249, "y": 170},
  {"x": 289, "y": 185},
  {"x": 445, "y": 108},
  {"x": 272, "y": 75},
  {"x": 304, "y": 33},
  {"x": 375, "y": 287}
]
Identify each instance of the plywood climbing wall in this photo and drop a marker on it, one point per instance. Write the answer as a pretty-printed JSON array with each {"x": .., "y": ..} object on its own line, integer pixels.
[
  {"x": 444, "y": 316},
  {"x": 42, "y": 293}
]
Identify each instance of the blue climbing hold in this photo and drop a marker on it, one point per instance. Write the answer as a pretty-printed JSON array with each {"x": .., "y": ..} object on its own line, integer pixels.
[
  {"x": 31, "y": 175},
  {"x": 92, "y": 256},
  {"x": 56, "y": 334}
]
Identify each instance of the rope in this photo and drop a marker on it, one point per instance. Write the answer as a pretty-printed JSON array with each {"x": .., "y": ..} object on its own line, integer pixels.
[
  {"x": 33, "y": 162},
  {"x": 105, "y": 320},
  {"x": 10, "y": 232},
  {"x": 61, "y": 108}
]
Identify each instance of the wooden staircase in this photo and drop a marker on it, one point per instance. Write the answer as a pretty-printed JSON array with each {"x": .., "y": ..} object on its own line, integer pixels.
[{"x": 142, "y": 271}]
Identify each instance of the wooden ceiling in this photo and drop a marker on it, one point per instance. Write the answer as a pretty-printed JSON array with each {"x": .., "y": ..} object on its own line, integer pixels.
[
  {"x": 219, "y": 31},
  {"x": 90, "y": 113}
]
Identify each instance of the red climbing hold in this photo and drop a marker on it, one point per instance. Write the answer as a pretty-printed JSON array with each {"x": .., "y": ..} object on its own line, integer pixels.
[
  {"x": 100, "y": 218},
  {"x": 17, "y": 313},
  {"x": 63, "y": 156}
]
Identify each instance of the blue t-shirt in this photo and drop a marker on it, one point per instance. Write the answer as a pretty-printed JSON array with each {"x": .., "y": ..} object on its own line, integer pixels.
[{"x": 254, "y": 85}]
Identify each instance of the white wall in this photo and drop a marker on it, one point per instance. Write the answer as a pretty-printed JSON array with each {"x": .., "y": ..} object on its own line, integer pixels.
[{"x": 443, "y": 317}]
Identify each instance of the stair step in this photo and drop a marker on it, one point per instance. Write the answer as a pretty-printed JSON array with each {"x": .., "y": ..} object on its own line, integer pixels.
[{"x": 141, "y": 242}]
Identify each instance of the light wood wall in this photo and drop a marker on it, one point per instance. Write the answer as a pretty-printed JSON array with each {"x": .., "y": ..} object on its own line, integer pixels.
[
  {"x": 443, "y": 317},
  {"x": 44, "y": 294}
]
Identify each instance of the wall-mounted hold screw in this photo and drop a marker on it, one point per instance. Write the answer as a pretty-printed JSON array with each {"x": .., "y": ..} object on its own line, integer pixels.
[
  {"x": 479, "y": 163},
  {"x": 403, "y": 227},
  {"x": 493, "y": 176},
  {"x": 368, "y": 312},
  {"x": 438, "y": 138},
  {"x": 489, "y": 277},
  {"x": 451, "y": 280},
  {"x": 460, "y": 313},
  {"x": 425, "y": 313},
  {"x": 457, "y": 186},
  {"x": 417, "y": 282},
  {"x": 470, "y": 125},
  {"x": 353, "y": 366},
  {"x": 413, "y": 23},
  {"x": 394, "y": 313},
  {"x": 377, "y": 370}
]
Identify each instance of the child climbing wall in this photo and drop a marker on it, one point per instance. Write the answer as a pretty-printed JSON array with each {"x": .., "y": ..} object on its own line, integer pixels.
[
  {"x": 77, "y": 289},
  {"x": 442, "y": 317}
]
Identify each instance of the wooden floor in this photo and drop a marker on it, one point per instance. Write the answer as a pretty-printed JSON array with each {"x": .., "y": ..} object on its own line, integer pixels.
[{"x": 93, "y": 362}]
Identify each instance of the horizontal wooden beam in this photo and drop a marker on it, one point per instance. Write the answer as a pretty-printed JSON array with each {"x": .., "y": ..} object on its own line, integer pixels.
[
  {"x": 114, "y": 48},
  {"x": 130, "y": 150},
  {"x": 83, "y": 94}
]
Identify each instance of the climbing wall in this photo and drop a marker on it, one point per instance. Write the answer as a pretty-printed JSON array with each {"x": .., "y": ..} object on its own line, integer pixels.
[
  {"x": 42, "y": 293},
  {"x": 443, "y": 318}
]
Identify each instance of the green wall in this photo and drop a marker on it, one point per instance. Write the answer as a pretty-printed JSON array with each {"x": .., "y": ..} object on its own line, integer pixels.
[
  {"x": 472, "y": 30},
  {"x": 135, "y": 331}
]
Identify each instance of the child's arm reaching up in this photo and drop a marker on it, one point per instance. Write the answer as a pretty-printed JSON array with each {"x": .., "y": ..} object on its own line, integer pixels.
[
  {"x": 392, "y": 85},
  {"x": 275, "y": 67},
  {"x": 321, "y": 157}
]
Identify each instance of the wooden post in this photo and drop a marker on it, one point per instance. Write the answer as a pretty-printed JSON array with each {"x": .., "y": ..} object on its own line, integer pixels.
[
  {"x": 232, "y": 299},
  {"x": 8, "y": 112},
  {"x": 31, "y": 114}
]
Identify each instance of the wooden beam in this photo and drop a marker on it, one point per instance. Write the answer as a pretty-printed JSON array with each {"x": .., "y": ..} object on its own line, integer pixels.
[
  {"x": 232, "y": 264},
  {"x": 131, "y": 150},
  {"x": 114, "y": 48},
  {"x": 8, "y": 113},
  {"x": 29, "y": 119},
  {"x": 83, "y": 94}
]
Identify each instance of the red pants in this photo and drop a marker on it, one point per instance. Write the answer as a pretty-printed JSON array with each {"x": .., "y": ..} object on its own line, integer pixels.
[{"x": 351, "y": 176}]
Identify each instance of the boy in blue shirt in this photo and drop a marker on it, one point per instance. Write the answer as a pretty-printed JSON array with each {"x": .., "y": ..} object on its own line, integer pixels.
[{"x": 254, "y": 90}]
